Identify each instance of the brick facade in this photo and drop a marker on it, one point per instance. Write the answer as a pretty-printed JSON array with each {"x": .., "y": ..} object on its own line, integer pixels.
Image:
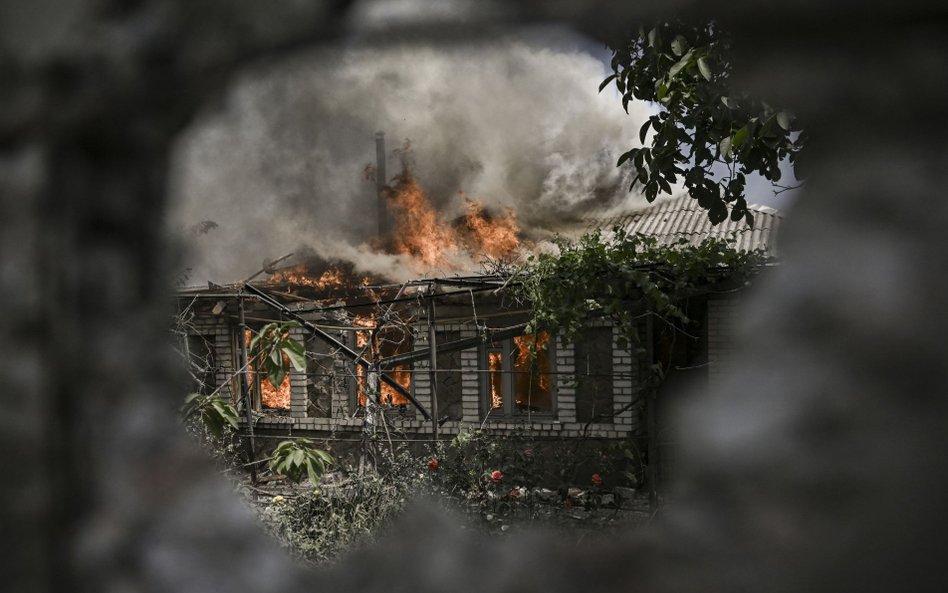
[{"x": 336, "y": 383}]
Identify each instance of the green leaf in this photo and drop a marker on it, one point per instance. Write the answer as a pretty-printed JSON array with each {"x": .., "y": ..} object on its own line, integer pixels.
[
  {"x": 652, "y": 37},
  {"x": 684, "y": 61},
  {"x": 297, "y": 359},
  {"x": 213, "y": 422},
  {"x": 783, "y": 120},
  {"x": 679, "y": 45},
  {"x": 313, "y": 474},
  {"x": 725, "y": 148},
  {"x": 626, "y": 156},
  {"x": 606, "y": 82},
  {"x": 740, "y": 137},
  {"x": 296, "y": 457},
  {"x": 705, "y": 69},
  {"x": 644, "y": 130},
  {"x": 661, "y": 92},
  {"x": 276, "y": 375}
]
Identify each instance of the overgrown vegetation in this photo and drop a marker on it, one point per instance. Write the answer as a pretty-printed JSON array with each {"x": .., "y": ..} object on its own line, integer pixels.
[
  {"x": 492, "y": 484},
  {"x": 214, "y": 421},
  {"x": 214, "y": 412},
  {"x": 322, "y": 523},
  {"x": 624, "y": 278},
  {"x": 300, "y": 458}
]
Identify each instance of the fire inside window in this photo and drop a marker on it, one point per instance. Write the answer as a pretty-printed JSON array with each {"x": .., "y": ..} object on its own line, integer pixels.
[
  {"x": 268, "y": 396},
  {"x": 519, "y": 376},
  {"x": 388, "y": 342}
]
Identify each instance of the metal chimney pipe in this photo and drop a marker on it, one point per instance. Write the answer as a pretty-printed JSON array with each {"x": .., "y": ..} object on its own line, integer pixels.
[{"x": 380, "y": 179}]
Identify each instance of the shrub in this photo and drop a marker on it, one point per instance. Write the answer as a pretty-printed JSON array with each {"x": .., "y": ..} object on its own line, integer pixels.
[{"x": 298, "y": 458}]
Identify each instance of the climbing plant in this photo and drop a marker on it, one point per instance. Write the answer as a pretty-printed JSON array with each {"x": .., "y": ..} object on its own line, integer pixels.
[{"x": 624, "y": 277}]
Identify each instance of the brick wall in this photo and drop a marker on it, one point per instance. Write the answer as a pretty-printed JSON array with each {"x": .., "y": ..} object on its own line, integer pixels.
[
  {"x": 629, "y": 369},
  {"x": 722, "y": 318}
]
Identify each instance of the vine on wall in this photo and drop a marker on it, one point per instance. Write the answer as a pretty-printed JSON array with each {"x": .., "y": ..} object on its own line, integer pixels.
[{"x": 624, "y": 278}]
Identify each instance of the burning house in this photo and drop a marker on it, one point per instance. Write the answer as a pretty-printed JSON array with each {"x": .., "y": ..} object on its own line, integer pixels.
[{"x": 437, "y": 354}]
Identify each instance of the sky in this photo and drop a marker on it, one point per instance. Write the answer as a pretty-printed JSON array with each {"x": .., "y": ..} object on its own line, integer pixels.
[{"x": 513, "y": 119}]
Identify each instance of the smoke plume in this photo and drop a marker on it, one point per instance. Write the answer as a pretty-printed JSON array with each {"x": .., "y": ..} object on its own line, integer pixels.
[{"x": 279, "y": 166}]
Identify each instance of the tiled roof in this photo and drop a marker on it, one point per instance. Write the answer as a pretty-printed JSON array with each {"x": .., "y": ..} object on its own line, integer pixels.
[{"x": 673, "y": 219}]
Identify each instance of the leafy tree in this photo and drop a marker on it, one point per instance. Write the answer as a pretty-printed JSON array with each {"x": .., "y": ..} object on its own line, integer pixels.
[{"x": 702, "y": 121}]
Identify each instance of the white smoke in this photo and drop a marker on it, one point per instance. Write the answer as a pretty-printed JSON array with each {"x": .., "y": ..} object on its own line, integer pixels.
[{"x": 511, "y": 123}]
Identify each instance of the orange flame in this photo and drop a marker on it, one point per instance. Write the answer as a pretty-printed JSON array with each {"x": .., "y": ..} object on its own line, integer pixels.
[
  {"x": 496, "y": 237},
  {"x": 532, "y": 380},
  {"x": 298, "y": 276},
  {"x": 270, "y": 397},
  {"x": 418, "y": 230},
  {"x": 275, "y": 397},
  {"x": 495, "y": 364},
  {"x": 431, "y": 242},
  {"x": 402, "y": 373}
]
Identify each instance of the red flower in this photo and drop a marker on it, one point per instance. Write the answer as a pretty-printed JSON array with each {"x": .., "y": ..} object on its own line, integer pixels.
[
  {"x": 568, "y": 503},
  {"x": 597, "y": 479},
  {"x": 433, "y": 464},
  {"x": 515, "y": 493},
  {"x": 496, "y": 476}
]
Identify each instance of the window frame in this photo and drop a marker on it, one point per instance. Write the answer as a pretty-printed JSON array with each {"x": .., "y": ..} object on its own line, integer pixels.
[
  {"x": 582, "y": 342},
  {"x": 509, "y": 411},
  {"x": 352, "y": 370}
]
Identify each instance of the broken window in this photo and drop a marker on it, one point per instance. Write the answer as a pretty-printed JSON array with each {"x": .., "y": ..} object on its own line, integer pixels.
[
  {"x": 389, "y": 341},
  {"x": 593, "y": 351},
  {"x": 321, "y": 378},
  {"x": 519, "y": 380}
]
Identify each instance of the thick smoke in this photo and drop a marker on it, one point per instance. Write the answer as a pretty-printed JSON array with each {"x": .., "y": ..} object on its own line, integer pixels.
[{"x": 280, "y": 165}]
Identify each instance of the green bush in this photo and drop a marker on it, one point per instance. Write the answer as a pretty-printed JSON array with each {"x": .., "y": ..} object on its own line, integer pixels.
[
  {"x": 300, "y": 458},
  {"x": 322, "y": 523}
]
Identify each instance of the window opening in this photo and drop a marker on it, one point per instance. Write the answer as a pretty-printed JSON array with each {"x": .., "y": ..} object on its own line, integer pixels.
[{"x": 519, "y": 381}]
